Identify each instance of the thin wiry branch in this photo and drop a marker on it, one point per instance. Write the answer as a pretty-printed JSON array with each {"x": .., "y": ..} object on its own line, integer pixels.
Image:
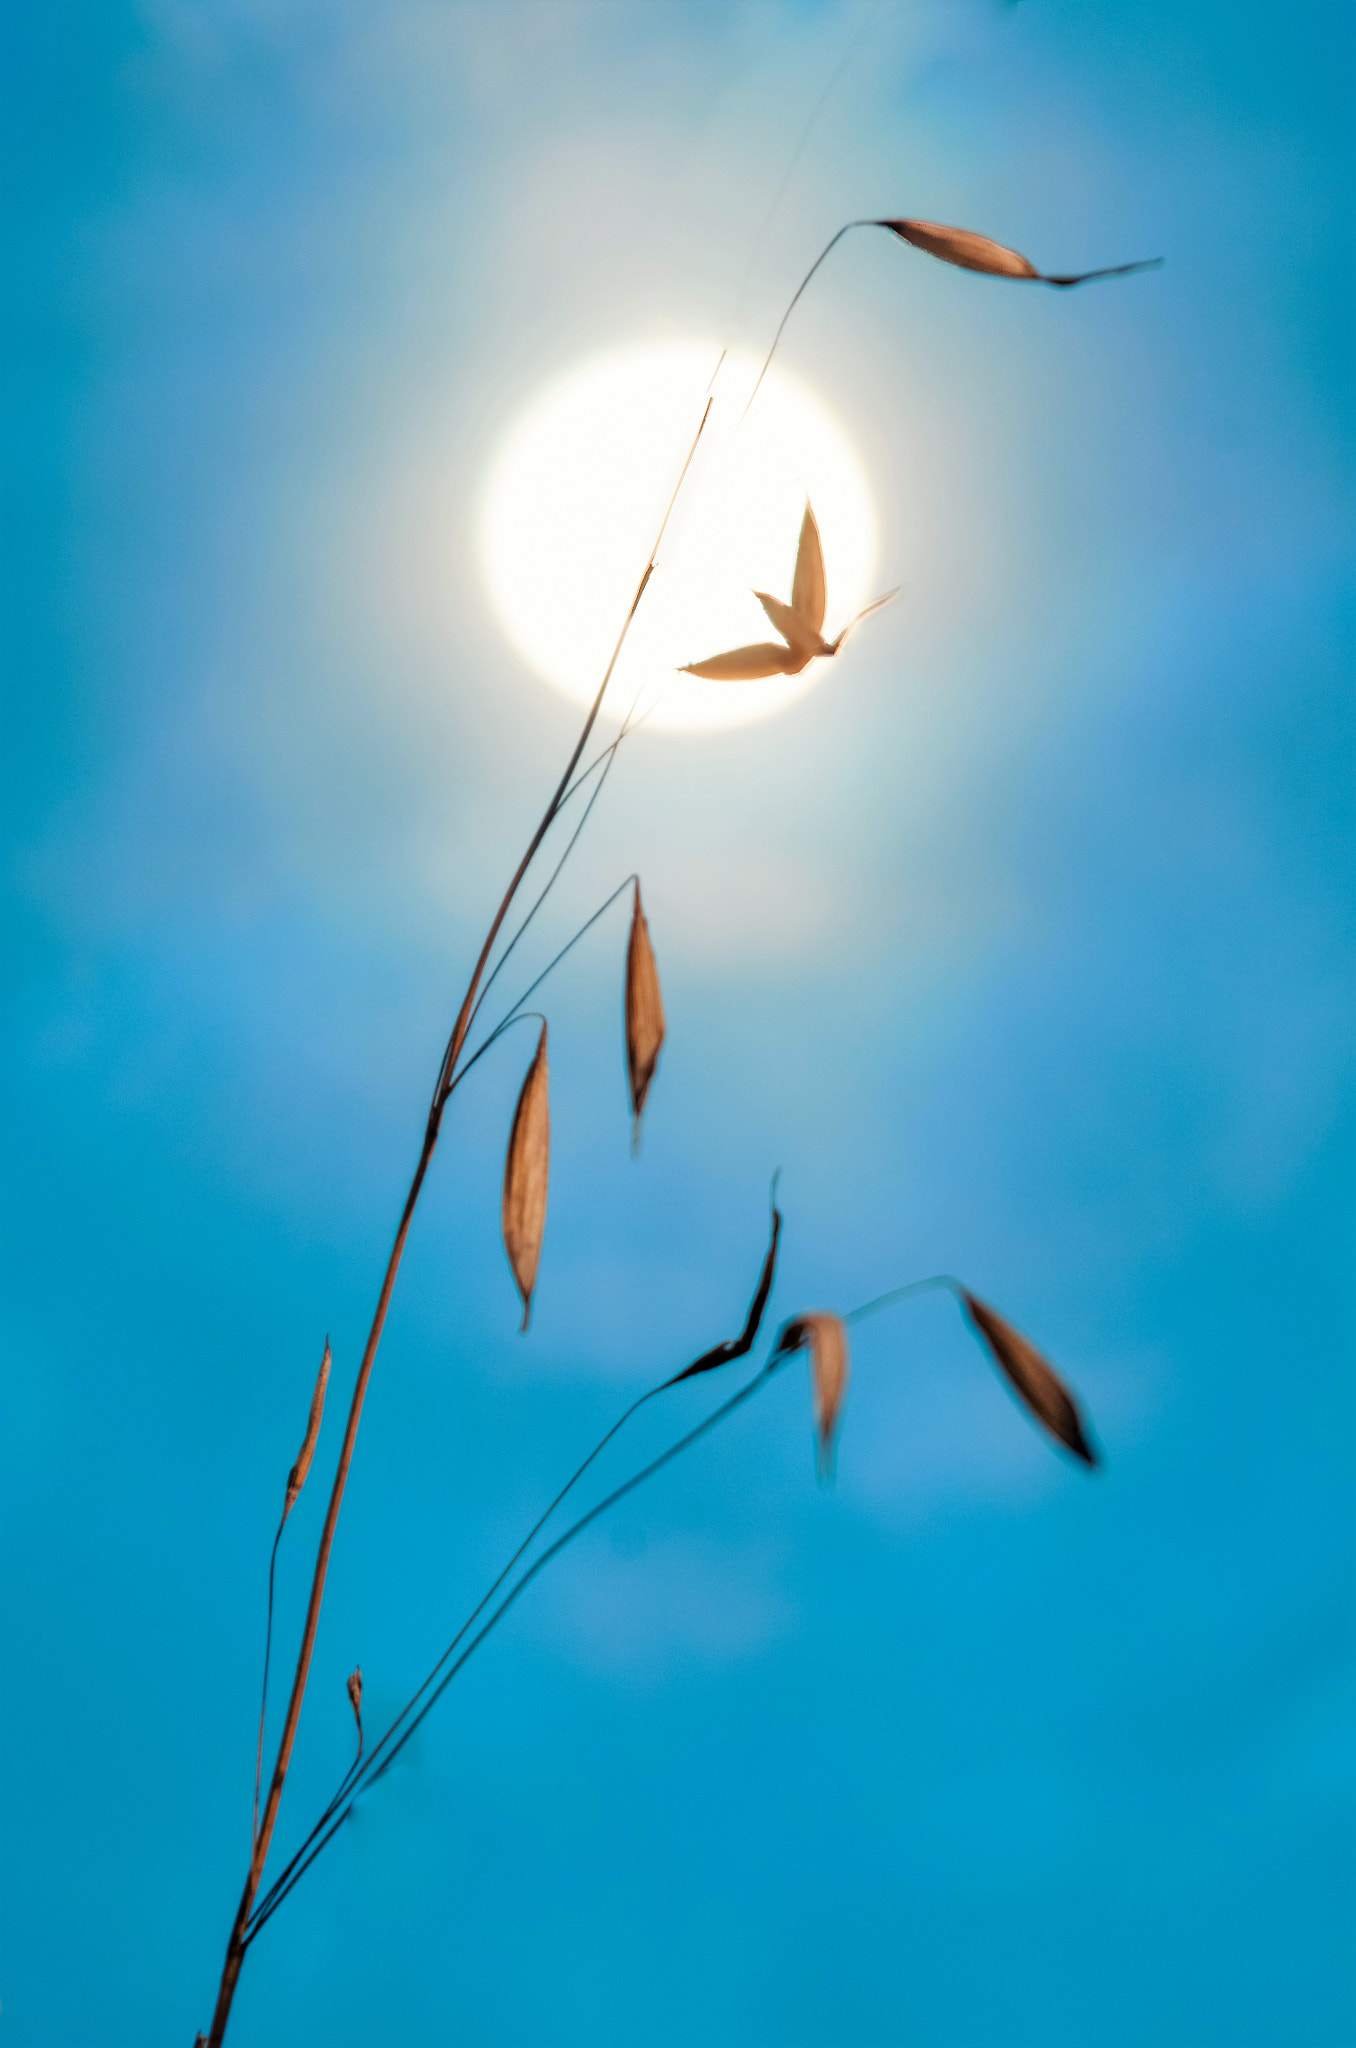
[
  {"x": 727, "y": 1408},
  {"x": 968, "y": 251},
  {"x": 514, "y": 1015},
  {"x": 795, "y": 300},
  {"x": 826, "y": 95},
  {"x": 720, "y": 1354},
  {"x": 235, "y": 1947},
  {"x": 550, "y": 885},
  {"x": 792, "y": 1338},
  {"x": 457, "y": 1040},
  {"x": 263, "y": 1698},
  {"x": 603, "y": 760}
]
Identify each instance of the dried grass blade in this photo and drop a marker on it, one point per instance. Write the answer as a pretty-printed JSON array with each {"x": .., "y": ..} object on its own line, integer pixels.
[
  {"x": 722, "y": 1354},
  {"x": 749, "y": 664},
  {"x": 296, "y": 1478},
  {"x": 977, "y": 252},
  {"x": 809, "y": 591},
  {"x": 824, "y": 1336},
  {"x": 1033, "y": 1379},
  {"x": 644, "y": 1011},
  {"x": 355, "y": 1700},
  {"x": 790, "y": 624},
  {"x": 526, "y": 1174}
]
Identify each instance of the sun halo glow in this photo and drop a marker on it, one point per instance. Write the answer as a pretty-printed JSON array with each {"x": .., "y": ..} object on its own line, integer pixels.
[{"x": 575, "y": 495}]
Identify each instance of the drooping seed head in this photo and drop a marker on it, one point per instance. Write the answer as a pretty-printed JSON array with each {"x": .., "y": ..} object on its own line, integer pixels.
[
  {"x": 296, "y": 1478},
  {"x": 644, "y": 1010},
  {"x": 824, "y": 1336},
  {"x": 1033, "y": 1379},
  {"x": 970, "y": 251},
  {"x": 526, "y": 1175}
]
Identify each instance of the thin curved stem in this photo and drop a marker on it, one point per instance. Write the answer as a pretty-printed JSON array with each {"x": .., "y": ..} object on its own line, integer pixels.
[
  {"x": 512, "y": 1016},
  {"x": 263, "y": 1700},
  {"x": 604, "y": 760},
  {"x": 845, "y": 230},
  {"x": 463, "y": 1023},
  {"x": 235, "y": 1947},
  {"x": 948, "y": 1281},
  {"x": 346, "y": 1783},
  {"x": 554, "y": 877},
  {"x": 727, "y": 1408},
  {"x": 796, "y": 154},
  {"x": 720, "y": 1354}
]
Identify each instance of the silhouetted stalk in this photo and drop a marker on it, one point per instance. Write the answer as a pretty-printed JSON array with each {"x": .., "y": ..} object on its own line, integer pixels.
[
  {"x": 1031, "y": 1376},
  {"x": 720, "y": 1354},
  {"x": 795, "y": 301},
  {"x": 263, "y": 1700},
  {"x": 514, "y": 1015},
  {"x": 553, "y": 1550},
  {"x": 235, "y": 1949},
  {"x": 968, "y": 251},
  {"x": 384, "y": 1753},
  {"x": 363, "y": 1773}
]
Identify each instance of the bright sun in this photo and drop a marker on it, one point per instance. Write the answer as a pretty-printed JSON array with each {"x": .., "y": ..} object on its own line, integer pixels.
[{"x": 574, "y": 500}]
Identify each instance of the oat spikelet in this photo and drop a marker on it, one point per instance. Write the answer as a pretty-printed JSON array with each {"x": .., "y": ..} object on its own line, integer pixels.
[
  {"x": 1035, "y": 1382},
  {"x": 526, "y": 1173},
  {"x": 644, "y": 1012},
  {"x": 824, "y": 1336},
  {"x": 970, "y": 251},
  {"x": 355, "y": 1700},
  {"x": 296, "y": 1478},
  {"x": 960, "y": 246},
  {"x": 800, "y": 623}
]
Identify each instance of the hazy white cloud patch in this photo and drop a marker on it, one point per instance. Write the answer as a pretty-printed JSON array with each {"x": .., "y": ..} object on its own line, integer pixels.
[{"x": 646, "y": 1608}]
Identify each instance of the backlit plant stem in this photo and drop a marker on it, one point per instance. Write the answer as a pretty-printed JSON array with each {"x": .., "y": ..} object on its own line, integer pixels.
[{"x": 235, "y": 1948}]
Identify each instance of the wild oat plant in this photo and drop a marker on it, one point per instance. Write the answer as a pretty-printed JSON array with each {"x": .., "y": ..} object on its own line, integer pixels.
[{"x": 820, "y": 1333}]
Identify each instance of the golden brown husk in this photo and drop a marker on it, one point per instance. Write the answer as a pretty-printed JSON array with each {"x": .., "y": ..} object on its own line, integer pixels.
[
  {"x": 825, "y": 1338},
  {"x": 1033, "y": 1379},
  {"x": 296, "y": 1478},
  {"x": 526, "y": 1174},
  {"x": 963, "y": 247},
  {"x": 976, "y": 252},
  {"x": 644, "y": 1010}
]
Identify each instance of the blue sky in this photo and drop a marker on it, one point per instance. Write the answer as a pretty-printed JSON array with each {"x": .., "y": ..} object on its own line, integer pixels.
[{"x": 1023, "y": 946}]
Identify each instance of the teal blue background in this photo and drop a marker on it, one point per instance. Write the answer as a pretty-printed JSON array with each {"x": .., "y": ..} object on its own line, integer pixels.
[{"x": 1023, "y": 946}]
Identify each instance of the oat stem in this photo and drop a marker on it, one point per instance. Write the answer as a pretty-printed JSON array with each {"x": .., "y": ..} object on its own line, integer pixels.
[
  {"x": 718, "y": 1355},
  {"x": 263, "y": 1700},
  {"x": 553, "y": 1550},
  {"x": 235, "y": 1948}
]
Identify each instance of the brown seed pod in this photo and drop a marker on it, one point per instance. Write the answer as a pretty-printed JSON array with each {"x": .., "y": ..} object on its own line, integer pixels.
[
  {"x": 1035, "y": 1382},
  {"x": 526, "y": 1173},
  {"x": 355, "y": 1700},
  {"x": 644, "y": 1011},
  {"x": 977, "y": 252},
  {"x": 953, "y": 245},
  {"x": 800, "y": 623},
  {"x": 825, "y": 1338},
  {"x": 296, "y": 1478}
]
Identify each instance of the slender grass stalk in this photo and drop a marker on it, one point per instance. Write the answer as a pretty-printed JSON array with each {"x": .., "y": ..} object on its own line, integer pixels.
[
  {"x": 235, "y": 1948},
  {"x": 718, "y": 1415},
  {"x": 263, "y": 1696},
  {"x": 795, "y": 301},
  {"x": 1029, "y": 1374},
  {"x": 383, "y": 1753},
  {"x": 720, "y": 1354}
]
